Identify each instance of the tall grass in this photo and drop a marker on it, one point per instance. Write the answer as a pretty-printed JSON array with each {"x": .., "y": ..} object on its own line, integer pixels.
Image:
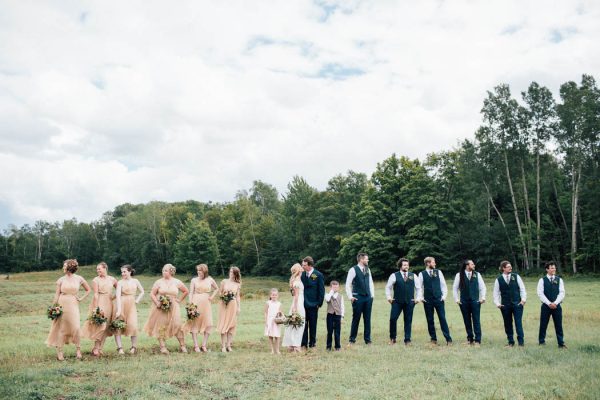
[{"x": 28, "y": 368}]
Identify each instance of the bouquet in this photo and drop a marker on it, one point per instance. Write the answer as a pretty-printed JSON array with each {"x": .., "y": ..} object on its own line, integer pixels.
[
  {"x": 227, "y": 296},
  {"x": 165, "y": 303},
  {"x": 192, "y": 311},
  {"x": 97, "y": 316},
  {"x": 294, "y": 320},
  {"x": 54, "y": 311},
  {"x": 118, "y": 325}
]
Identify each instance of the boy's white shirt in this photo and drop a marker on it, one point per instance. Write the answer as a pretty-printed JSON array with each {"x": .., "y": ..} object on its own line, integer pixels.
[{"x": 333, "y": 294}]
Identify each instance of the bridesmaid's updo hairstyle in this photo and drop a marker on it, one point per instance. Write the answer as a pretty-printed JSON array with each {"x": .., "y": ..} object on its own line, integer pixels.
[
  {"x": 129, "y": 268},
  {"x": 204, "y": 269},
  {"x": 103, "y": 265},
  {"x": 70, "y": 265},
  {"x": 171, "y": 268},
  {"x": 237, "y": 275}
]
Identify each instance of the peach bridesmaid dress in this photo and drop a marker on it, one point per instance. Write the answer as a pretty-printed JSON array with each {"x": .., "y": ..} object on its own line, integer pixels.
[
  {"x": 165, "y": 324},
  {"x": 66, "y": 328},
  {"x": 100, "y": 332},
  {"x": 228, "y": 313},
  {"x": 201, "y": 298}
]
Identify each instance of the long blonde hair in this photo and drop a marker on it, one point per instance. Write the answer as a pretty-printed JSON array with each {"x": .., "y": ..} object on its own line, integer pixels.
[{"x": 296, "y": 270}]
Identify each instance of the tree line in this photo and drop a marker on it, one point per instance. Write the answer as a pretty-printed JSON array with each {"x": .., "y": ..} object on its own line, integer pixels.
[{"x": 525, "y": 189}]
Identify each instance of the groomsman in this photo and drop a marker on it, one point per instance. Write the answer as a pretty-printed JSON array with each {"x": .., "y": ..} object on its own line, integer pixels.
[
  {"x": 361, "y": 291},
  {"x": 472, "y": 290},
  {"x": 433, "y": 296},
  {"x": 314, "y": 293},
  {"x": 406, "y": 293},
  {"x": 510, "y": 297},
  {"x": 551, "y": 291}
]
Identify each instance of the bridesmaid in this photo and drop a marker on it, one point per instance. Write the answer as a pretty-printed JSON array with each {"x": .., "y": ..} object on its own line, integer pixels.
[
  {"x": 102, "y": 286},
  {"x": 200, "y": 289},
  {"x": 165, "y": 324},
  {"x": 65, "y": 329},
  {"x": 126, "y": 307},
  {"x": 228, "y": 313}
]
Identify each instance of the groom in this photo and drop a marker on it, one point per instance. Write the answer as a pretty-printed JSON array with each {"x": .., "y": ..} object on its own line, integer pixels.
[{"x": 314, "y": 293}]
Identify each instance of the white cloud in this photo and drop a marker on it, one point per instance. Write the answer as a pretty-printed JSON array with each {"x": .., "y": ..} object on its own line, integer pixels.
[{"x": 113, "y": 102}]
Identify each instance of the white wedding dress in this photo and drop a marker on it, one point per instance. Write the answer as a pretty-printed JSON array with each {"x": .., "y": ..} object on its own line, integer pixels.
[{"x": 293, "y": 336}]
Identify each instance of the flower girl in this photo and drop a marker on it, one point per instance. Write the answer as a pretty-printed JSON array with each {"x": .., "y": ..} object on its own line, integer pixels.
[{"x": 272, "y": 308}]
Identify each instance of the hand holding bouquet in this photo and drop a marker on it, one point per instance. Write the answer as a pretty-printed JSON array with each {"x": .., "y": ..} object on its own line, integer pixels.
[
  {"x": 54, "y": 311},
  {"x": 192, "y": 311},
  {"x": 97, "y": 316},
  {"x": 164, "y": 303},
  {"x": 118, "y": 325},
  {"x": 227, "y": 296},
  {"x": 295, "y": 320}
]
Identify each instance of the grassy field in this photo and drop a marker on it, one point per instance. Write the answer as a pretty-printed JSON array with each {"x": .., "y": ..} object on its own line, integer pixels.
[{"x": 28, "y": 368}]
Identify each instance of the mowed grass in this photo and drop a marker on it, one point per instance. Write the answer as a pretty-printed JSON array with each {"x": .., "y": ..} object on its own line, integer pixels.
[{"x": 28, "y": 368}]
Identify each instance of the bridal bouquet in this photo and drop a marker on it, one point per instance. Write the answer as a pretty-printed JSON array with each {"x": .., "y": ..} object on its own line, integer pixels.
[
  {"x": 54, "y": 311},
  {"x": 118, "y": 325},
  {"x": 164, "y": 303},
  {"x": 227, "y": 296},
  {"x": 295, "y": 320},
  {"x": 192, "y": 311},
  {"x": 97, "y": 316}
]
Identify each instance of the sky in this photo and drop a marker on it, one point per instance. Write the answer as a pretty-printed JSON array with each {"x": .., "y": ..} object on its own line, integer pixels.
[{"x": 108, "y": 102}]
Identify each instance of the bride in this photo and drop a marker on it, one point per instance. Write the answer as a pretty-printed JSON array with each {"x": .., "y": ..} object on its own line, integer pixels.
[{"x": 293, "y": 335}]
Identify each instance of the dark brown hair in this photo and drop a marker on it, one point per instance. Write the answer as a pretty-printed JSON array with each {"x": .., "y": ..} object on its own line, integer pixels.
[
  {"x": 309, "y": 260},
  {"x": 549, "y": 264},
  {"x": 129, "y": 268},
  {"x": 70, "y": 265},
  {"x": 237, "y": 275},
  {"x": 503, "y": 264},
  {"x": 400, "y": 261},
  {"x": 360, "y": 256},
  {"x": 334, "y": 283}
]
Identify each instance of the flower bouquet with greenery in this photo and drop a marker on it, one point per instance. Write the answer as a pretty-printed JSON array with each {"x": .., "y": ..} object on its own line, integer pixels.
[
  {"x": 295, "y": 320},
  {"x": 118, "y": 325},
  {"x": 164, "y": 303},
  {"x": 227, "y": 296},
  {"x": 54, "y": 311},
  {"x": 192, "y": 311},
  {"x": 97, "y": 317}
]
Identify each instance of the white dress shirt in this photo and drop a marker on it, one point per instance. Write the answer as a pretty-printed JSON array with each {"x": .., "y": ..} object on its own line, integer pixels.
[
  {"x": 542, "y": 296},
  {"x": 498, "y": 297},
  {"x": 456, "y": 287},
  {"x": 335, "y": 295},
  {"x": 390, "y": 285},
  {"x": 442, "y": 283},
  {"x": 309, "y": 273},
  {"x": 350, "y": 278}
]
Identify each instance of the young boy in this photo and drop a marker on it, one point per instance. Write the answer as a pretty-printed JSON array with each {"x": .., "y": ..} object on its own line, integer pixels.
[{"x": 335, "y": 313}]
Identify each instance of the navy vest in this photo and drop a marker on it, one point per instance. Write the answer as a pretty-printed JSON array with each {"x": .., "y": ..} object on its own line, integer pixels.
[
  {"x": 432, "y": 286},
  {"x": 551, "y": 289},
  {"x": 360, "y": 283},
  {"x": 471, "y": 290},
  {"x": 404, "y": 292},
  {"x": 509, "y": 293}
]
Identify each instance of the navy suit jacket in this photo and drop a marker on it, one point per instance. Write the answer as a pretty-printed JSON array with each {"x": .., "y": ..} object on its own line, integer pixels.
[{"x": 314, "y": 289}]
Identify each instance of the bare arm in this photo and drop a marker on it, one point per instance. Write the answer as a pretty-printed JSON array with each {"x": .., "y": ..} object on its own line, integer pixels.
[
  {"x": 295, "y": 302},
  {"x": 153, "y": 294},
  {"x": 96, "y": 294},
  {"x": 87, "y": 289},
  {"x": 238, "y": 299},
  {"x": 192, "y": 289},
  {"x": 118, "y": 299},
  {"x": 215, "y": 288},
  {"x": 141, "y": 289},
  {"x": 184, "y": 291},
  {"x": 57, "y": 292}
]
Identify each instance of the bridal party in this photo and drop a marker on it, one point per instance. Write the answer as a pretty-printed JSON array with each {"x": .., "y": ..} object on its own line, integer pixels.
[{"x": 112, "y": 311}]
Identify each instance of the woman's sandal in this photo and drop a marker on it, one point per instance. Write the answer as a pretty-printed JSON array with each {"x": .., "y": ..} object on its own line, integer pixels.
[
  {"x": 229, "y": 348},
  {"x": 78, "y": 356},
  {"x": 95, "y": 352},
  {"x": 223, "y": 349},
  {"x": 120, "y": 350},
  {"x": 204, "y": 349},
  {"x": 133, "y": 350},
  {"x": 163, "y": 350},
  {"x": 183, "y": 349},
  {"x": 197, "y": 349},
  {"x": 60, "y": 356}
]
